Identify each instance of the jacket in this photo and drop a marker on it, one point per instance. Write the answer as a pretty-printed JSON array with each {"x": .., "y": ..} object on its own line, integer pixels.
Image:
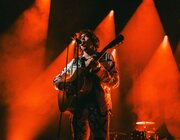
[{"x": 103, "y": 78}]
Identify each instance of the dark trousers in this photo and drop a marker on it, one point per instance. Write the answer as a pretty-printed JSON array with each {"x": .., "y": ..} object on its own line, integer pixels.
[{"x": 90, "y": 124}]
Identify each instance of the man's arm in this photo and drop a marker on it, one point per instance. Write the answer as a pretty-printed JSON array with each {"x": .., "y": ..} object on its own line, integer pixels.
[
  {"x": 58, "y": 80},
  {"x": 108, "y": 72}
]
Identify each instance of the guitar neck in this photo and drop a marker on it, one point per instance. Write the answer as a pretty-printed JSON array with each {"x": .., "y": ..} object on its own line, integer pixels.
[
  {"x": 100, "y": 54},
  {"x": 110, "y": 45}
]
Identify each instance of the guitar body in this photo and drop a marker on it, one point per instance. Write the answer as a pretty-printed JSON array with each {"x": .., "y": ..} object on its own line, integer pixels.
[
  {"x": 64, "y": 102},
  {"x": 75, "y": 87}
]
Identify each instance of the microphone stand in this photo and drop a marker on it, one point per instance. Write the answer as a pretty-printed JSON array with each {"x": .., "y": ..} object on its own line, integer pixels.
[
  {"x": 61, "y": 113},
  {"x": 76, "y": 86}
]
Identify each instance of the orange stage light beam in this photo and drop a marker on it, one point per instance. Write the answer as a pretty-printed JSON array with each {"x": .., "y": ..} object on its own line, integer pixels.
[
  {"x": 25, "y": 43},
  {"x": 157, "y": 90},
  {"x": 106, "y": 30},
  {"x": 171, "y": 95},
  {"x": 142, "y": 33},
  {"x": 38, "y": 103},
  {"x": 38, "y": 94}
]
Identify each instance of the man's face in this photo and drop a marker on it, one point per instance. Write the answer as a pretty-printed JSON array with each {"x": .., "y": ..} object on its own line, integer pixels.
[{"x": 87, "y": 44}]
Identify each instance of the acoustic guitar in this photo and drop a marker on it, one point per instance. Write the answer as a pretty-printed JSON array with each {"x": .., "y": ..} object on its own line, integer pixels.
[{"x": 76, "y": 83}]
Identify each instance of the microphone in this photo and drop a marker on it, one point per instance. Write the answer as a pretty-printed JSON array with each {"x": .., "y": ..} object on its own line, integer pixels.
[
  {"x": 78, "y": 41},
  {"x": 76, "y": 38}
]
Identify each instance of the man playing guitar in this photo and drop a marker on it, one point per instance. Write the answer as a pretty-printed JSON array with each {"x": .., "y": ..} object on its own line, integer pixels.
[{"x": 91, "y": 89}]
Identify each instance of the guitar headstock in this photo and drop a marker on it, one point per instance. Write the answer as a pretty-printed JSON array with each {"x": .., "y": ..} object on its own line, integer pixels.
[
  {"x": 118, "y": 40},
  {"x": 113, "y": 43}
]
